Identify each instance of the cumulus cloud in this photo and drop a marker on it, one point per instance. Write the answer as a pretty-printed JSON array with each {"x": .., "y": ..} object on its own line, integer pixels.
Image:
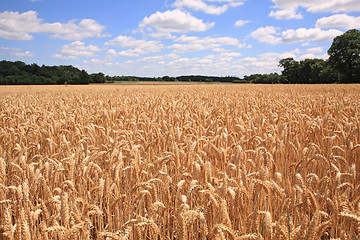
[
  {"x": 263, "y": 63},
  {"x": 125, "y": 53},
  {"x": 135, "y": 47},
  {"x": 313, "y": 34},
  {"x": 315, "y": 50},
  {"x": 228, "y": 56},
  {"x": 202, "y": 5},
  {"x": 192, "y": 44},
  {"x": 15, "y": 35},
  {"x": 86, "y": 28},
  {"x": 286, "y": 14},
  {"x": 320, "y": 5},
  {"x": 343, "y": 21},
  {"x": 18, "y": 26},
  {"x": 75, "y": 50},
  {"x": 266, "y": 35},
  {"x": 291, "y": 6},
  {"x": 64, "y": 57},
  {"x": 240, "y": 23},
  {"x": 158, "y": 58},
  {"x": 161, "y": 35},
  {"x": 313, "y": 56},
  {"x": 271, "y": 35},
  {"x": 78, "y": 48},
  {"x": 175, "y": 21}
]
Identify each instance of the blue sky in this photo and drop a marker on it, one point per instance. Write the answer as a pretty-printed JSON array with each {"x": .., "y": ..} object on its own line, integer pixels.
[{"x": 172, "y": 37}]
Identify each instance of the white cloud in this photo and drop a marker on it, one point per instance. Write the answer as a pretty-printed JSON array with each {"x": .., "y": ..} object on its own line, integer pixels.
[
  {"x": 214, "y": 64},
  {"x": 313, "y": 34},
  {"x": 266, "y": 35},
  {"x": 15, "y": 35},
  {"x": 313, "y": 56},
  {"x": 75, "y": 50},
  {"x": 220, "y": 59},
  {"x": 20, "y": 22},
  {"x": 201, "y": 5},
  {"x": 193, "y": 47},
  {"x": 159, "y": 58},
  {"x": 193, "y": 44},
  {"x": 219, "y": 50},
  {"x": 96, "y": 65},
  {"x": 86, "y": 28},
  {"x": 240, "y": 23},
  {"x": 135, "y": 47},
  {"x": 319, "y": 5},
  {"x": 315, "y": 50},
  {"x": 78, "y": 48},
  {"x": 161, "y": 35},
  {"x": 175, "y": 21},
  {"x": 229, "y": 55},
  {"x": 125, "y": 53},
  {"x": 18, "y": 26},
  {"x": 343, "y": 21},
  {"x": 64, "y": 57},
  {"x": 263, "y": 63},
  {"x": 271, "y": 35},
  {"x": 276, "y": 57},
  {"x": 286, "y": 14},
  {"x": 130, "y": 42}
]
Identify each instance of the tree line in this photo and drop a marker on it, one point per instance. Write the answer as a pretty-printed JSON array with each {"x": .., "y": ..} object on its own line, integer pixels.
[
  {"x": 343, "y": 66},
  {"x": 19, "y": 73}
]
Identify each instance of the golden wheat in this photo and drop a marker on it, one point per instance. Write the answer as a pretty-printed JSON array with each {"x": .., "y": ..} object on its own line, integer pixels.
[{"x": 180, "y": 162}]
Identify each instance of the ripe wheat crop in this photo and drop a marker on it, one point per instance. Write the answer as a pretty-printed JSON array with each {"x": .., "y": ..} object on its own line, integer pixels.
[{"x": 180, "y": 162}]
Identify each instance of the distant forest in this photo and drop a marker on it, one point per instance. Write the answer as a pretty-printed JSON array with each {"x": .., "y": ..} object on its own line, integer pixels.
[
  {"x": 343, "y": 66},
  {"x": 19, "y": 73}
]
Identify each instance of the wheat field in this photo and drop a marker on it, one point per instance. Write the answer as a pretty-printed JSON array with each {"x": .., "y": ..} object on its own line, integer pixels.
[{"x": 180, "y": 162}]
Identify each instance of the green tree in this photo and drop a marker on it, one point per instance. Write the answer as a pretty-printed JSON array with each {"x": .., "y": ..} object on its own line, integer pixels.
[
  {"x": 168, "y": 79},
  {"x": 84, "y": 77},
  {"x": 291, "y": 70},
  {"x": 97, "y": 77},
  {"x": 310, "y": 70},
  {"x": 345, "y": 55},
  {"x": 65, "y": 77},
  {"x": 329, "y": 75}
]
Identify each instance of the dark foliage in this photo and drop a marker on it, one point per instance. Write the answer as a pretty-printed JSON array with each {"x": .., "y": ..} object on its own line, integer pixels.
[
  {"x": 345, "y": 56},
  {"x": 19, "y": 73}
]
